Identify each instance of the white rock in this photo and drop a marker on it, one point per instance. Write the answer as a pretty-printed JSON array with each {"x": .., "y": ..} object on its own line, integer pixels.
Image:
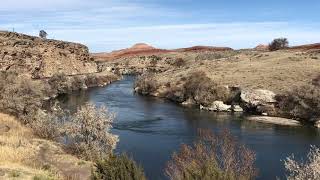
[
  {"x": 275, "y": 120},
  {"x": 237, "y": 108},
  {"x": 109, "y": 69},
  {"x": 188, "y": 102},
  {"x": 220, "y": 106},
  {"x": 258, "y": 97},
  {"x": 317, "y": 124}
]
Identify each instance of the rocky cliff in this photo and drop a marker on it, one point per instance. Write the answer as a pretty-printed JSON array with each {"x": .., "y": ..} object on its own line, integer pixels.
[{"x": 43, "y": 58}]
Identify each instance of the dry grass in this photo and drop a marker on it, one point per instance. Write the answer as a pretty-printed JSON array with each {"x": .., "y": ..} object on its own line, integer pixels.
[
  {"x": 277, "y": 71},
  {"x": 14, "y": 141},
  {"x": 25, "y": 156}
]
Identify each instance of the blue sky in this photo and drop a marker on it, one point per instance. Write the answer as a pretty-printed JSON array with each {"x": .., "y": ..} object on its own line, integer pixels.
[{"x": 105, "y": 25}]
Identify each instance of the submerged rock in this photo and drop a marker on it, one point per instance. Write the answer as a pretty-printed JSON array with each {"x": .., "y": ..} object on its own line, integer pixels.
[{"x": 275, "y": 120}]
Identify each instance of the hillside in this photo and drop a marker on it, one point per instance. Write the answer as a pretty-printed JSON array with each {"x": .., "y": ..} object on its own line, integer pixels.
[
  {"x": 142, "y": 49},
  {"x": 43, "y": 57},
  {"x": 137, "y": 49},
  {"x": 307, "y": 47}
]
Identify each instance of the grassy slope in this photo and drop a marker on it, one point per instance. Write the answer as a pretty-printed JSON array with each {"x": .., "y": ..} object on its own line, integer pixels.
[
  {"x": 24, "y": 156},
  {"x": 276, "y": 71}
]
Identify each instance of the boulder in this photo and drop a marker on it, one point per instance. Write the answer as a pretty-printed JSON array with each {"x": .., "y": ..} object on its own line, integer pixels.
[
  {"x": 237, "y": 108},
  {"x": 317, "y": 124},
  {"x": 259, "y": 100},
  {"x": 218, "y": 106},
  {"x": 262, "y": 47},
  {"x": 258, "y": 97}
]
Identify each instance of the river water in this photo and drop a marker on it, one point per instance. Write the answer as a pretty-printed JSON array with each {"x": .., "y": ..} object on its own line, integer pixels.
[{"x": 151, "y": 129}]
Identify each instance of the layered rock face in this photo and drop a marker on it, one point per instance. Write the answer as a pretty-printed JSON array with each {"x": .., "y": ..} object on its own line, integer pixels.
[{"x": 42, "y": 58}]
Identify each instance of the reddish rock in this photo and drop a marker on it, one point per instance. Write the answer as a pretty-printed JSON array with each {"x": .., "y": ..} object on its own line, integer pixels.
[
  {"x": 262, "y": 47},
  {"x": 142, "y": 49},
  {"x": 136, "y": 50},
  {"x": 307, "y": 47},
  {"x": 203, "y": 48}
]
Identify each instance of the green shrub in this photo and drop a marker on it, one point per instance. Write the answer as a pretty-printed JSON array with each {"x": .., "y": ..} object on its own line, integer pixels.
[
  {"x": 277, "y": 44},
  {"x": 213, "y": 157},
  {"x": 300, "y": 103},
  {"x": 118, "y": 167}
]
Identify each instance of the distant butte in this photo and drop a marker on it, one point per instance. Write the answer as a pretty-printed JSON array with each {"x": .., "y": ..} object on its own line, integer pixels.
[{"x": 141, "y": 49}]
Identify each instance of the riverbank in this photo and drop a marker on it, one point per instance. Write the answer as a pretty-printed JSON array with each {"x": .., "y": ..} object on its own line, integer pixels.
[
  {"x": 33, "y": 72},
  {"x": 151, "y": 129},
  {"x": 257, "y": 82}
]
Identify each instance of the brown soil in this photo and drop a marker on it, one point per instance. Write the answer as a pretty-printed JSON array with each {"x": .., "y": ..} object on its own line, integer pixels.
[
  {"x": 307, "y": 47},
  {"x": 203, "y": 49}
]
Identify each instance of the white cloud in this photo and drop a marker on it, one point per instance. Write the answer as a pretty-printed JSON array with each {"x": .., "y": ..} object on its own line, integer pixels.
[
  {"x": 108, "y": 25},
  {"x": 236, "y": 35}
]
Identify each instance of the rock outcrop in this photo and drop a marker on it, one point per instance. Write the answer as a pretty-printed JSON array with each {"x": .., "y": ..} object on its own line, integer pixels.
[
  {"x": 259, "y": 100},
  {"x": 42, "y": 58},
  {"x": 262, "y": 47}
]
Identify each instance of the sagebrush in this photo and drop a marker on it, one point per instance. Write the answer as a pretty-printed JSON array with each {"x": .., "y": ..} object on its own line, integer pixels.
[
  {"x": 89, "y": 132},
  {"x": 213, "y": 157},
  {"x": 301, "y": 103},
  {"x": 305, "y": 169}
]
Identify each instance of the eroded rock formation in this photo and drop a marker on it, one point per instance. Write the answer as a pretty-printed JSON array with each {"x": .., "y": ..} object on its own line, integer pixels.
[{"x": 43, "y": 58}]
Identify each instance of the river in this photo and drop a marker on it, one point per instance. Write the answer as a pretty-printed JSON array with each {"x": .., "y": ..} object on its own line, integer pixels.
[{"x": 151, "y": 129}]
